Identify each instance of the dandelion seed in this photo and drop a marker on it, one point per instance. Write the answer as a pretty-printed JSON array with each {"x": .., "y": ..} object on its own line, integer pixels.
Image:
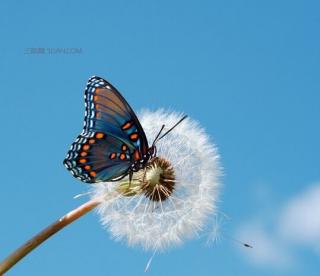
[
  {"x": 149, "y": 262},
  {"x": 214, "y": 234},
  {"x": 171, "y": 199}
]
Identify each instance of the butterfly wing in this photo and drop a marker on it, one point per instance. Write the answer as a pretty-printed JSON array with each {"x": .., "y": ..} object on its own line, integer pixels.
[{"x": 112, "y": 137}]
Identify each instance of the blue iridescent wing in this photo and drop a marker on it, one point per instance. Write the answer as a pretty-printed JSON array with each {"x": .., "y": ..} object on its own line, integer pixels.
[{"x": 112, "y": 137}]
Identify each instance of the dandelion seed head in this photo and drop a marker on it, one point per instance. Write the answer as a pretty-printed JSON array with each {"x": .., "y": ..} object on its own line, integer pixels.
[{"x": 189, "y": 194}]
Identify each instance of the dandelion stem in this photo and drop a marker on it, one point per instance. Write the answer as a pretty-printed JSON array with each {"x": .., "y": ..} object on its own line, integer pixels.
[{"x": 46, "y": 233}]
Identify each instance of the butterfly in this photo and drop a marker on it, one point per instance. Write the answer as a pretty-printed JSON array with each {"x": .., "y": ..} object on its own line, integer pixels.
[{"x": 112, "y": 143}]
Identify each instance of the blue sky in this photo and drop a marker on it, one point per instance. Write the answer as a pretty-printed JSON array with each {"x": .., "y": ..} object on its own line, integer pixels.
[{"x": 247, "y": 70}]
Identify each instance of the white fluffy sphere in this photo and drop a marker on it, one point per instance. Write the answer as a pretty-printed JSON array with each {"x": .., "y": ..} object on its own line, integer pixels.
[{"x": 157, "y": 225}]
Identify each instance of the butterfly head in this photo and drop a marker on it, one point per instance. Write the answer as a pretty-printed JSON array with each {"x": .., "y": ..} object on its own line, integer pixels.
[{"x": 152, "y": 151}]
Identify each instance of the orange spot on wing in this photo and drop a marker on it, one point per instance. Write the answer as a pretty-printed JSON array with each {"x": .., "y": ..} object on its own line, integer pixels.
[
  {"x": 127, "y": 125},
  {"x": 99, "y": 135},
  {"x": 93, "y": 173},
  {"x": 92, "y": 141},
  {"x": 87, "y": 167},
  {"x": 124, "y": 147},
  {"x": 112, "y": 156},
  {"x": 95, "y": 98},
  {"x": 134, "y": 136},
  {"x": 98, "y": 115},
  {"x": 136, "y": 155},
  {"x": 98, "y": 90},
  {"x": 83, "y": 160},
  {"x": 85, "y": 147},
  {"x": 122, "y": 156},
  {"x": 83, "y": 154}
]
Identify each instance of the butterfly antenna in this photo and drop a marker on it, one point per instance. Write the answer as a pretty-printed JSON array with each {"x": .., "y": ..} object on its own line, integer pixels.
[
  {"x": 184, "y": 117},
  {"x": 155, "y": 139}
]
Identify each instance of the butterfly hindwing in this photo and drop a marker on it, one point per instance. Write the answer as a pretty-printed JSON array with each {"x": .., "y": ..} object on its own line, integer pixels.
[
  {"x": 112, "y": 137},
  {"x": 98, "y": 158}
]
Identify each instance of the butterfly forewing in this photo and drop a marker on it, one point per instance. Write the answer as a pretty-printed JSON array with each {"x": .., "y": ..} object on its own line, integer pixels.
[{"x": 112, "y": 137}]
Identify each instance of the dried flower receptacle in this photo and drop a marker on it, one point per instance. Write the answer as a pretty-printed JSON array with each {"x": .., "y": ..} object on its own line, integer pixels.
[
  {"x": 156, "y": 181},
  {"x": 159, "y": 180}
]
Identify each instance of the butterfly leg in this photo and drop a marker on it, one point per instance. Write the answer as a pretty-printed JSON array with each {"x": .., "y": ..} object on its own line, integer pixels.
[{"x": 130, "y": 177}]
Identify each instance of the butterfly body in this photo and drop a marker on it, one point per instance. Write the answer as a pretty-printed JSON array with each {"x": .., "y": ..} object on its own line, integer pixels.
[{"x": 112, "y": 143}]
